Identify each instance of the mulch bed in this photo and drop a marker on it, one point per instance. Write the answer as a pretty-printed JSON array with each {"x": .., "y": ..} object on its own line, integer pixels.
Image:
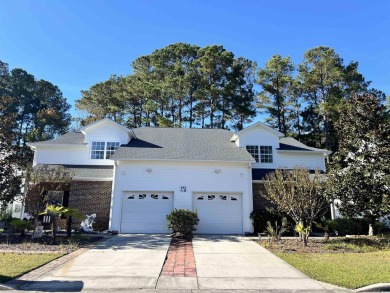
[
  {"x": 26, "y": 244},
  {"x": 318, "y": 245}
]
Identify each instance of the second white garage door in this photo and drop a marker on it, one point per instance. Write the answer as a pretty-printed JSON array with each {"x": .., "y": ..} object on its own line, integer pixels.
[
  {"x": 145, "y": 212},
  {"x": 218, "y": 213}
]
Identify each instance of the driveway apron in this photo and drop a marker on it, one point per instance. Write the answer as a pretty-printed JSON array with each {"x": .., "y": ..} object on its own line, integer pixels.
[
  {"x": 224, "y": 262},
  {"x": 121, "y": 262}
]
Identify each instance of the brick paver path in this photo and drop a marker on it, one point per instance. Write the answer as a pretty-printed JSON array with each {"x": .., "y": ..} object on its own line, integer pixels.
[{"x": 180, "y": 260}]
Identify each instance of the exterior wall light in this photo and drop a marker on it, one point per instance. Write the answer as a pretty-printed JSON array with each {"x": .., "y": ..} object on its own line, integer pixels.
[
  {"x": 217, "y": 171},
  {"x": 149, "y": 170}
]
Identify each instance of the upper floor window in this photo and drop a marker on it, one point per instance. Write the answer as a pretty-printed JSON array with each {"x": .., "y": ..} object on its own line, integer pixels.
[
  {"x": 101, "y": 150},
  {"x": 266, "y": 154},
  {"x": 111, "y": 148},
  {"x": 254, "y": 151}
]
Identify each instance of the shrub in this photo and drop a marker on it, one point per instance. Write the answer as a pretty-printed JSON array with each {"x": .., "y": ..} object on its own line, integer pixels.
[
  {"x": 5, "y": 216},
  {"x": 182, "y": 221},
  {"x": 18, "y": 225},
  {"x": 351, "y": 226},
  {"x": 263, "y": 216}
]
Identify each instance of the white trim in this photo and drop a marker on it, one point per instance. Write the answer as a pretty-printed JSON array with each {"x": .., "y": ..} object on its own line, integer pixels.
[
  {"x": 237, "y": 134},
  {"x": 181, "y": 160},
  {"x": 102, "y": 121},
  {"x": 34, "y": 146},
  {"x": 325, "y": 152}
]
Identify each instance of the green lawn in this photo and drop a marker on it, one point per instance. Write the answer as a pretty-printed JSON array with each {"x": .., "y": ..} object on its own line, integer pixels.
[
  {"x": 13, "y": 265},
  {"x": 351, "y": 270}
]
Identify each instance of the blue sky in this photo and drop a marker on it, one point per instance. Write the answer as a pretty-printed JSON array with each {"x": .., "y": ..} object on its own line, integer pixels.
[{"x": 75, "y": 44}]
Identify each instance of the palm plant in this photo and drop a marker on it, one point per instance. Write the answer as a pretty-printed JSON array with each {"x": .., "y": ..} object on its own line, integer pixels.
[{"x": 55, "y": 212}]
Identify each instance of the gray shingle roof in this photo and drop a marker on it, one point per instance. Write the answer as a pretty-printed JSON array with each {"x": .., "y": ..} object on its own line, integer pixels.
[
  {"x": 67, "y": 138},
  {"x": 86, "y": 171},
  {"x": 291, "y": 144},
  {"x": 182, "y": 144}
]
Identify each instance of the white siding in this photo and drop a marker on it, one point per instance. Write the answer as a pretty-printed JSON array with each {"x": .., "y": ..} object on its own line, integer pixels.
[
  {"x": 68, "y": 155},
  {"x": 262, "y": 137},
  {"x": 106, "y": 131},
  {"x": 170, "y": 176},
  {"x": 81, "y": 154},
  {"x": 290, "y": 160}
]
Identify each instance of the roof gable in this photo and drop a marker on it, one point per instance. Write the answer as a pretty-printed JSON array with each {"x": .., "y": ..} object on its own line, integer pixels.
[
  {"x": 104, "y": 121},
  {"x": 253, "y": 126}
]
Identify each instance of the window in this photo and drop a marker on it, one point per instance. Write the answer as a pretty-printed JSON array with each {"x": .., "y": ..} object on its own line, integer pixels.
[
  {"x": 254, "y": 151},
  {"x": 101, "y": 150},
  {"x": 266, "y": 154},
  {"x": 141, "y": 196},
  {"x": 223, "y": 197},
  {"x": 154, "y": 196},
  {"x": 210, "y": 197},
  {"x": 97, "y": 151},
  {"x": 111, "y": 148}
]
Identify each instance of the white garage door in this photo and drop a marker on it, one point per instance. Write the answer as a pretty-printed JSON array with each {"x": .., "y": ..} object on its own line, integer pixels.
[
  {"x": 218, "y": 213},
  {"x": 145, "y": 212}
]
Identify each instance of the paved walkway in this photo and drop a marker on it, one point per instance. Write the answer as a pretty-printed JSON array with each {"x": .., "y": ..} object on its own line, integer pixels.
[
  {"x": 134, "y": 262},
  {"x": 180, "y": 261}
]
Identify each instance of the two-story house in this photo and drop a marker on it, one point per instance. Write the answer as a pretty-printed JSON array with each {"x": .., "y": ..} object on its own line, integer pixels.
[{"x": 133, "y": 178}]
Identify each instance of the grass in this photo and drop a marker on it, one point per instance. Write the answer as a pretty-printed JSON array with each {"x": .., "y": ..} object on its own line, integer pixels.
[
  {"x": 13, "y": 265},
  {"x": 361, "y": 245},
  {"x": 350, "y": 270}
]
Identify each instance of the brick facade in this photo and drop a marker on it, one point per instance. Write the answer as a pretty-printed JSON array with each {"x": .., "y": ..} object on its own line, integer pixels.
[
  {"x": 92, "y": 197},
  {"x": 259, "y": 202}
]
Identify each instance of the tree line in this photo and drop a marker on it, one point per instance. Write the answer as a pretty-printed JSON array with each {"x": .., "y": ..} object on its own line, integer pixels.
[
  {"x": 31, "y": 110},
  {"x": 184, "y": 85}
]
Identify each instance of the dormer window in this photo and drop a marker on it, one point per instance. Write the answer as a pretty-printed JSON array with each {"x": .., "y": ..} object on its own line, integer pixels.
[
  {"x": 265, "y": 153},
  {"x": 254, "y": 151},
  {"x": 101, "y": 150}
]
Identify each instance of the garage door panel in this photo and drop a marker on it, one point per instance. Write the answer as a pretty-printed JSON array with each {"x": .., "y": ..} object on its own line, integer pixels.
[
  {"x": 218, "y": 213},
  {"x": 145, "y": 212}
]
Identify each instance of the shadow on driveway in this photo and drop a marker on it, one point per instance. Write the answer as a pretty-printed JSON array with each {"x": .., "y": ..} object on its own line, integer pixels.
[{"x": 49, "y": 286}]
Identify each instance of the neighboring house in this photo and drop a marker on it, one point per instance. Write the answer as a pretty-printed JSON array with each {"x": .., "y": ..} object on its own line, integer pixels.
[{"x": 133, "y": 178}]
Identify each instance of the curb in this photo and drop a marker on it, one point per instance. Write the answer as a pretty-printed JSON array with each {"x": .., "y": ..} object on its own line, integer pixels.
[{"x": 380, "y": 287}]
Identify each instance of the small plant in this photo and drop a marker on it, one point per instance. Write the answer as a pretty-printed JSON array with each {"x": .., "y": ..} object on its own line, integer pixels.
[
  {"x": 275, "y": 232},
  {"x": 71, "y": 214},
  {"x": 182, "y": 221},
  {"x": 21, "y": 226},
  {"x": 303, "y": 232},
  {"x": 55, "y": 212},
  {"x": 327, "y": 225}
]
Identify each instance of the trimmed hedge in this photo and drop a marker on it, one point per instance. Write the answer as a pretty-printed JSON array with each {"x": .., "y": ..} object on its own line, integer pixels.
[{"x": 183, "y": 221}]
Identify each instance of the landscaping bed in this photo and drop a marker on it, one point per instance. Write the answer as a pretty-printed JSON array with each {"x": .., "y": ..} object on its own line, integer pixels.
[
  {"x": 45, "y": 244},
  {"x": 348, "y": 262}
]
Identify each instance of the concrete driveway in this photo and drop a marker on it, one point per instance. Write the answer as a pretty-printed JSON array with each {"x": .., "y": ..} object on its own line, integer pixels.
[
  {"x": 131, "y": 262},
  {"x": 123, "y": 261},
  {"x": 240, "y": 263}
]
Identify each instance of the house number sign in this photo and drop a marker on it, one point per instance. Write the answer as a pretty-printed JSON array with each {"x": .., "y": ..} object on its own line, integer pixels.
[{"x": 183, "y": 188}]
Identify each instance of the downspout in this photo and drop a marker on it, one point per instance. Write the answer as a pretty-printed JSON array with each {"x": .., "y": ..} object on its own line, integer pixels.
[{"x": 112, "y": 195}]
